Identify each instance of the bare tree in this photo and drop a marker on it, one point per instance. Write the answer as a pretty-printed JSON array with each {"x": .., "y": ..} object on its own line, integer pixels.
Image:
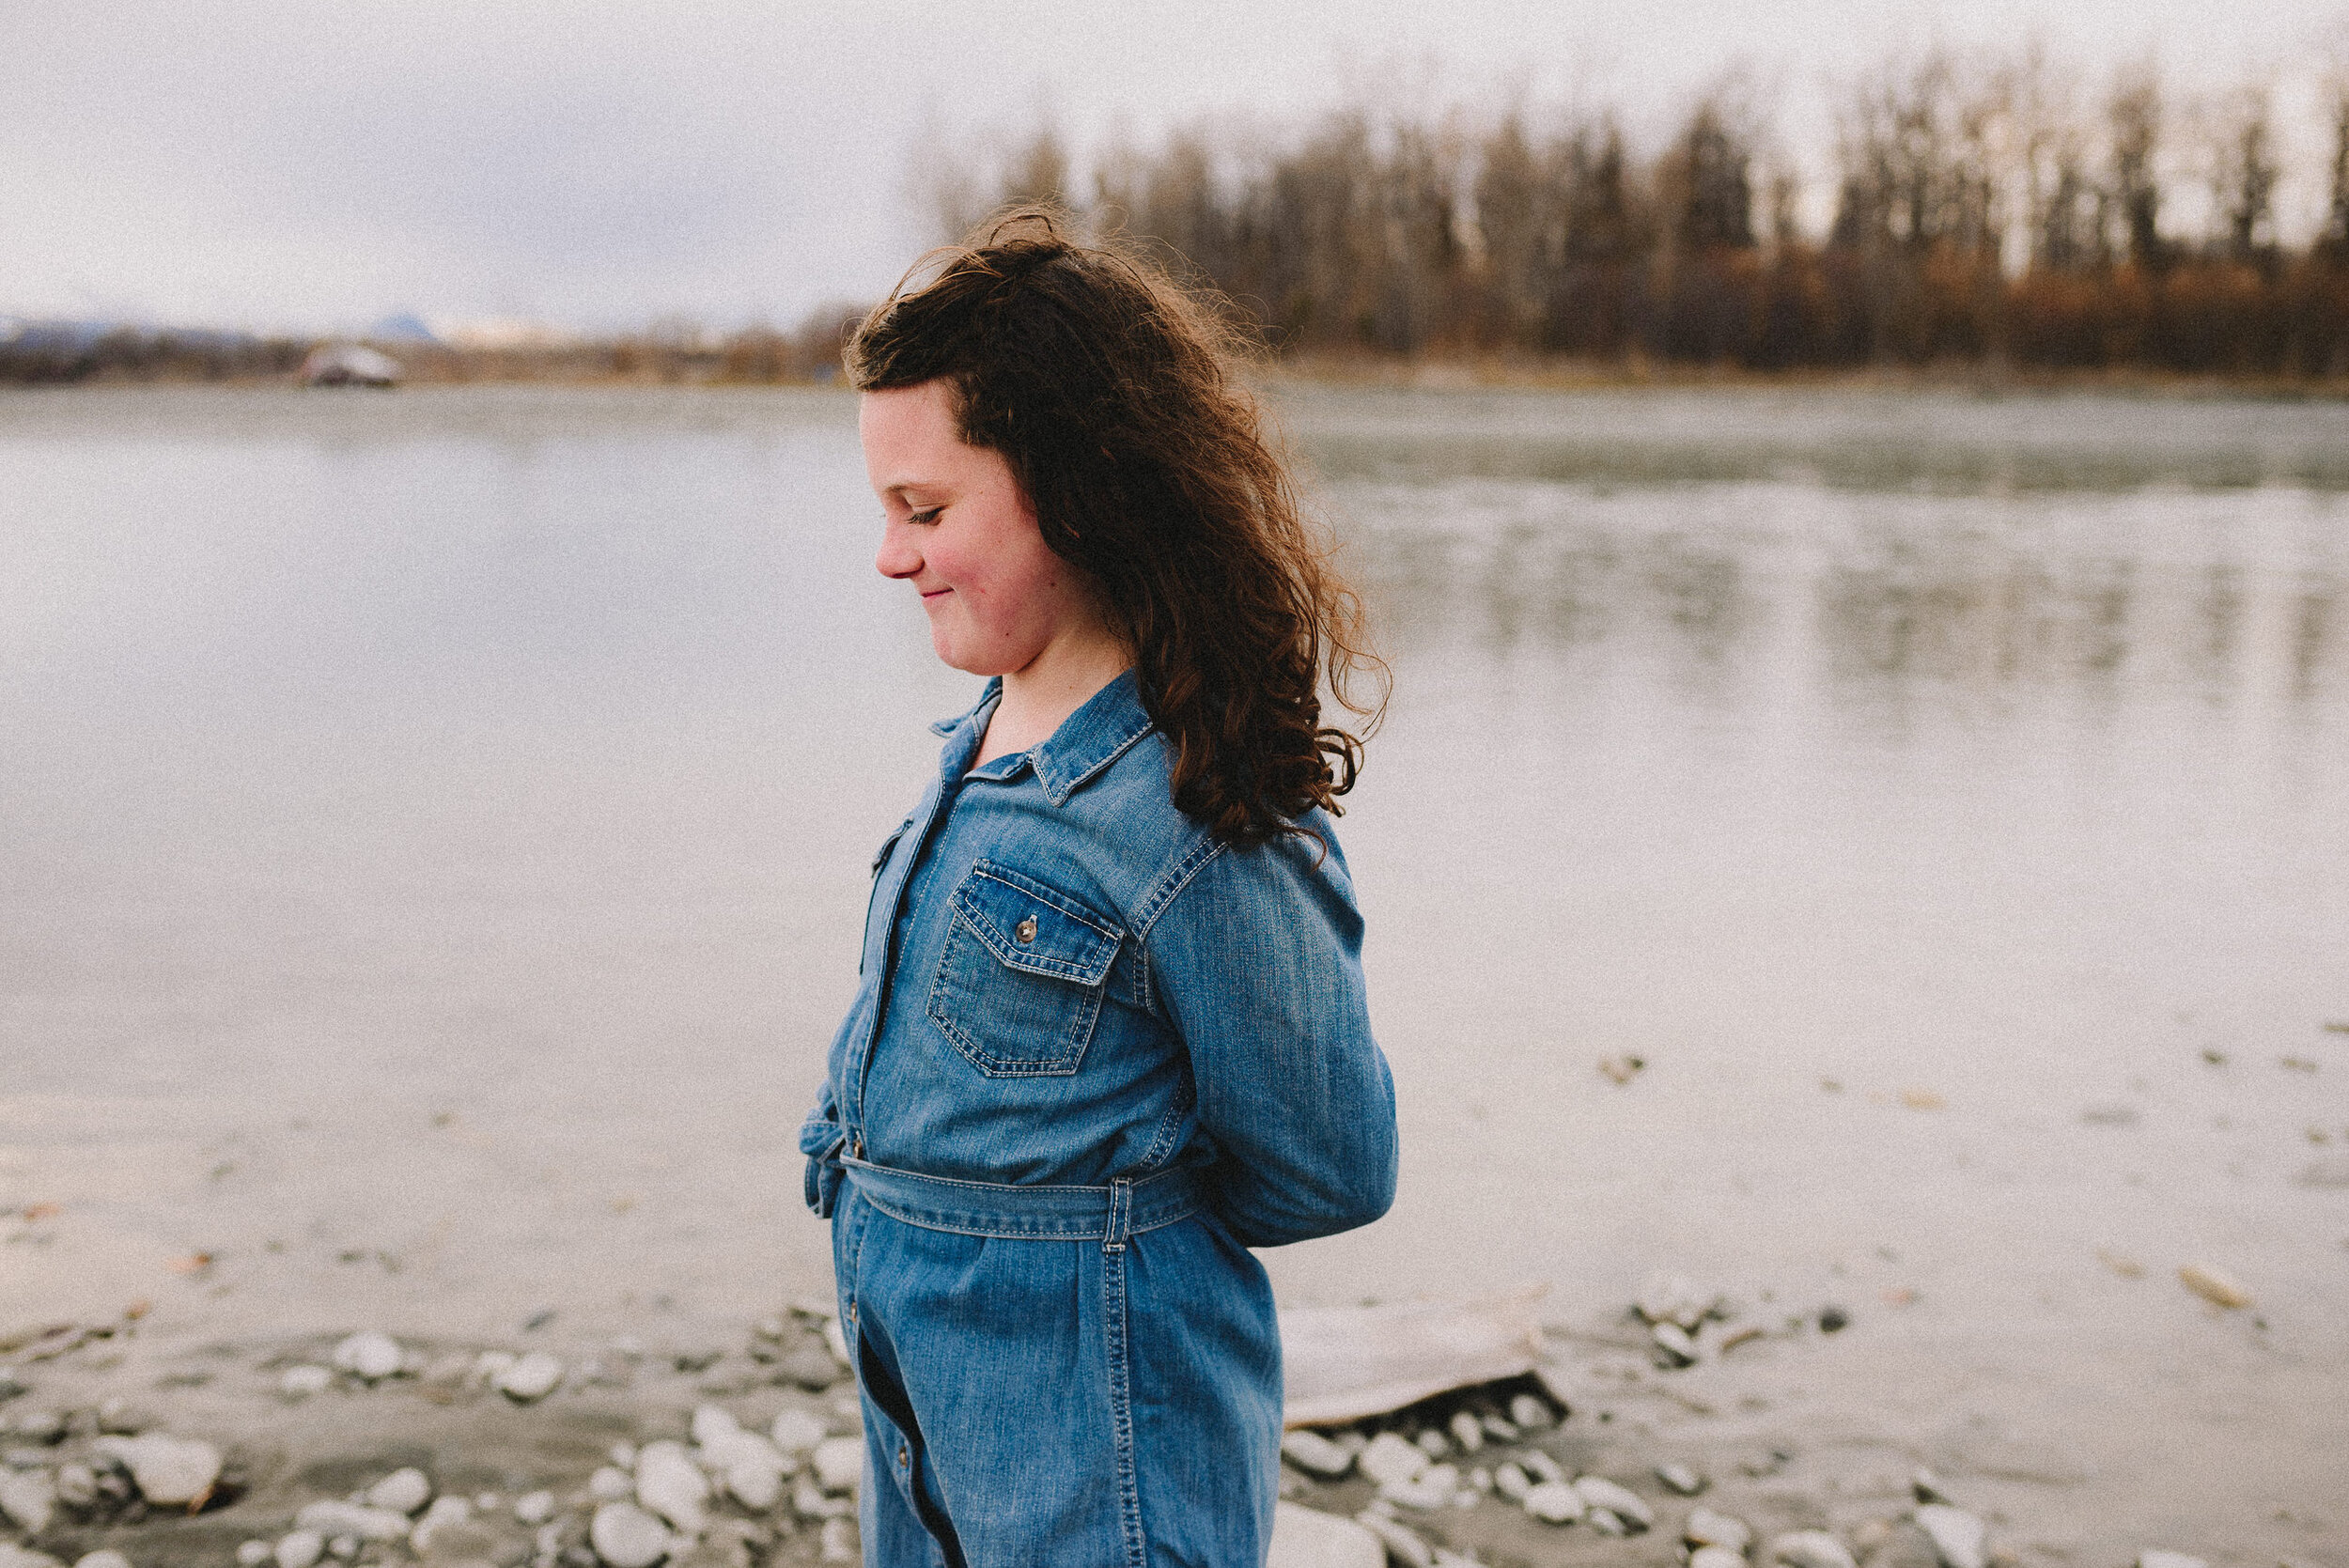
[
  {"x": 1707, "y": 179},
  {"x": 2134, "y": 114},
  {"x": 2244, "y": 174},
  {"x": 2334, "y": 240}
]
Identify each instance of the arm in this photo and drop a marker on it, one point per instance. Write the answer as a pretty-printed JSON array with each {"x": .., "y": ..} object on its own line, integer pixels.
[
  {"x": 820, "y": 1139},
  {"x": 1258, "y": 963}
]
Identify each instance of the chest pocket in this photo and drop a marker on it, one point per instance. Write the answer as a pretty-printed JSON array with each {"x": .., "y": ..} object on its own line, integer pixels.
[{"x": 1019, "y": 983}]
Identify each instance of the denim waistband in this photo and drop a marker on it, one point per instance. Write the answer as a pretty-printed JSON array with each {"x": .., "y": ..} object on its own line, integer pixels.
[{"x": 1105, "y": 1214}]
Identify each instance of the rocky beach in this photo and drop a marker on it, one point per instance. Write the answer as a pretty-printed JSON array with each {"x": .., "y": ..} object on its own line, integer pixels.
[{"x": 1675, "y": 1432}]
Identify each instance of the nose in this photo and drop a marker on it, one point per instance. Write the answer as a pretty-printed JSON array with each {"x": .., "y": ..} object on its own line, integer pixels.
[{"x": 899, "y": 558}]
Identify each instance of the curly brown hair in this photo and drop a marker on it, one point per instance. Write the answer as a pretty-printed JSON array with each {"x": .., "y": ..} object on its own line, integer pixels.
[{"x": 1113, "y": 394}]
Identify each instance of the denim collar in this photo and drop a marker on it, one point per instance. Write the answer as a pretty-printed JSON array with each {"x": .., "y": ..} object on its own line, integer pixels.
[{"x": 1087, "y": 741}]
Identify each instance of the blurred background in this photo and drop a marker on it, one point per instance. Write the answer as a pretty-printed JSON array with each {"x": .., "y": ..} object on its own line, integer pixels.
[{"x": 1856, "y": 500}]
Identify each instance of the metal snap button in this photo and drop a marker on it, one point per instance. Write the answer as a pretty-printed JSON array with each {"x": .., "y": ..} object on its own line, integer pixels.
[{"x": 1026, "y": 929}]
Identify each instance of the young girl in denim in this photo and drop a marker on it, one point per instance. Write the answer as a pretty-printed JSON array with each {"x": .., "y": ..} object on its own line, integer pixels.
[{"x": 1110, "y": 1032}]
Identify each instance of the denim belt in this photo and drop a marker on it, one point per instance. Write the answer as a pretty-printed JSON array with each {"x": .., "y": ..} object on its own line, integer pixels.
[{"x": 1105, "y": 1214}]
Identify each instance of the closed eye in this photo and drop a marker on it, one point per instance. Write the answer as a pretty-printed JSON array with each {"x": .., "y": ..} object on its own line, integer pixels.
[{"x": 929, "y": 515}]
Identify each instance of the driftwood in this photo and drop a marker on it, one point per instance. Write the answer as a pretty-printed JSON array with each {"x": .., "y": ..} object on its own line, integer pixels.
[{"x": 1343, "y": 1363}]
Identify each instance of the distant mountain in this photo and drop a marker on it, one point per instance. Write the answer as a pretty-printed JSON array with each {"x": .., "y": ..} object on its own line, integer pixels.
[{"x": 400, "y": 326}]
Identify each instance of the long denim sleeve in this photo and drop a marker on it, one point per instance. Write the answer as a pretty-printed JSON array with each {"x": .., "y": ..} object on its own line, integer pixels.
[{"x": 1259, "y": 962}]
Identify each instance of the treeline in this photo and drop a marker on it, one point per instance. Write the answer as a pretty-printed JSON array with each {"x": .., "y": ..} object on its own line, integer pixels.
[
  {"x": 41, "y": 354},
  {"x": 1985, "y": 210}
]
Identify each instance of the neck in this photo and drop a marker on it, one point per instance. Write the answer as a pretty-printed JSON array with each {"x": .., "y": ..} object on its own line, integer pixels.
[{"x": 1057, "y": 682}]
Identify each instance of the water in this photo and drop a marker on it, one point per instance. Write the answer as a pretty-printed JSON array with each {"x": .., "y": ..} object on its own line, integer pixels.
[{"x": 433, "y": 830}]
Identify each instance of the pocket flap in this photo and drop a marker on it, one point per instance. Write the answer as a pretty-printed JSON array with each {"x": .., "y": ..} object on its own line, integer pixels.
[{"x": 1030, "y": 927}]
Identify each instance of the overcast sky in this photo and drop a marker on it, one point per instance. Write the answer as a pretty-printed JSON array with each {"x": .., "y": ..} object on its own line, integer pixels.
[{"x": 314, "y": 166}]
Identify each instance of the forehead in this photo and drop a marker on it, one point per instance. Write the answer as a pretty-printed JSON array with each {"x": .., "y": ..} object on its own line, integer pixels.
[{"x": 910, "y": 434}]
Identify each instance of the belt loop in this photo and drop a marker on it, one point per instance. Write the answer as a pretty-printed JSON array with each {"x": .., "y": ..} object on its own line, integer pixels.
[{"x": 1121, "y": 1215}]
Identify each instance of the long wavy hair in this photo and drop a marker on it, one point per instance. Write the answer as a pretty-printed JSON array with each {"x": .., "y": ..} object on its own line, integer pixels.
[{"x": 1113, "y": 394}]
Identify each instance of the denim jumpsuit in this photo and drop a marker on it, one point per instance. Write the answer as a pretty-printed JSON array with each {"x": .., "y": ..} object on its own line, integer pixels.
[{"x": 1095, "y": 1056}]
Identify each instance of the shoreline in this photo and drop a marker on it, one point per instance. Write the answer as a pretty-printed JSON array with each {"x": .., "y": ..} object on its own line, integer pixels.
[
  {"x": 1603, "y": 1455},
  {"x": 1426, "y": 373}
]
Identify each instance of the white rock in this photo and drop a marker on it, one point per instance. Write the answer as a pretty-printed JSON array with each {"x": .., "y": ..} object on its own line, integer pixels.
[
  {"x": 736, "y": 1448},
  {"x": 167, "y": 1469},
  {"x": 369, "y": 1353},
  {"x": 1606, "y": 1522},
  {"x": 712, "y": 1424},
  {"x": 77, "y": 1485},
  {"x": 1668, "y": 1298},
  {"x": 298, "y": 1548},
  {"x": 332, "y": 1519},
  {"x": 1716, "y": 1557},
  {"x": 1706, "y": 1528},
  {"x": 1467, "y": 1432},
  {"x": 1623, "y": 1502},
  {"x": 1960, "y": 1538},
  {"x": 1554, "y": 1502},
  {"x": 1511, "y": 1482},
  {"x": 28, "y": 1498},
  {"x": 809, "y": 1502},
  {"x": 1532, "y": 1414},
  {"x": 1390, "y": 1460},
  {"x": 304, "y": 1380},
  {"x": 403, "y": 1491},
  {"x": 101, "y": 1559},
  {"x": 1808, "y": 1548},
  {"x": 747, "y": 1464},
  {"x": 622, "y": 1454},
  {"x": 610, "y": 1484},
  {"x": 1434, "y": 1487},
  {"x": 756, "y": 1488},
  {"x": 1674, "y": 1346},
  {"x": 1432, "y": 1443},
  {"x": 672, "y": 1485},
  {"x": 533, "y": 1377},
  {"x": 839, "y": 1464},
  {"x": 14, "y": 1556},
  {"x": 1306, "y": 1538},
  {"x": 444, "y": 1514},
  {"x": 344, "y": 1547},
  {"x": 1680, "y": 1479},
  {"x": 796, "y": 1430},
  {"x": 1540, "y": 1466},
  {"x": 1315, "y": 1454},
  {"x": 2144, "y": 1559},
  {"x": 250, "y": 1554},
  {"x": 837, "y": 1343},
  {"x": 1400, "y": 1543},
  {"x": 534, "y": 1508},
  {"x": 624, "y": 1536},
  {"x": 490, "y": 1365},
  {"x": 836, "y": 1543}
]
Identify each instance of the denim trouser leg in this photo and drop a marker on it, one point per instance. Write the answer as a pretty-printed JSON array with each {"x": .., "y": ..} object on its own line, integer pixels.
[
  {"x": 900, "y": 1513},
  {"x": 1053, "y": 1404}
]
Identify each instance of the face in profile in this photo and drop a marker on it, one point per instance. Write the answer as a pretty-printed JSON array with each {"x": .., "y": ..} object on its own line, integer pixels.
[{"x": 960, "y": 530}]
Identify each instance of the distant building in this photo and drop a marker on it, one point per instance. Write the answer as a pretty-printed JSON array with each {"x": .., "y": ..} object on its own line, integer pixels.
[{"x": 349, "y": 364}]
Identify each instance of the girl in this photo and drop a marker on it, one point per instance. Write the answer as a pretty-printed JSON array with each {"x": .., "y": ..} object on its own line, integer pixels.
[{"x": 1110, "y": 1032}]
